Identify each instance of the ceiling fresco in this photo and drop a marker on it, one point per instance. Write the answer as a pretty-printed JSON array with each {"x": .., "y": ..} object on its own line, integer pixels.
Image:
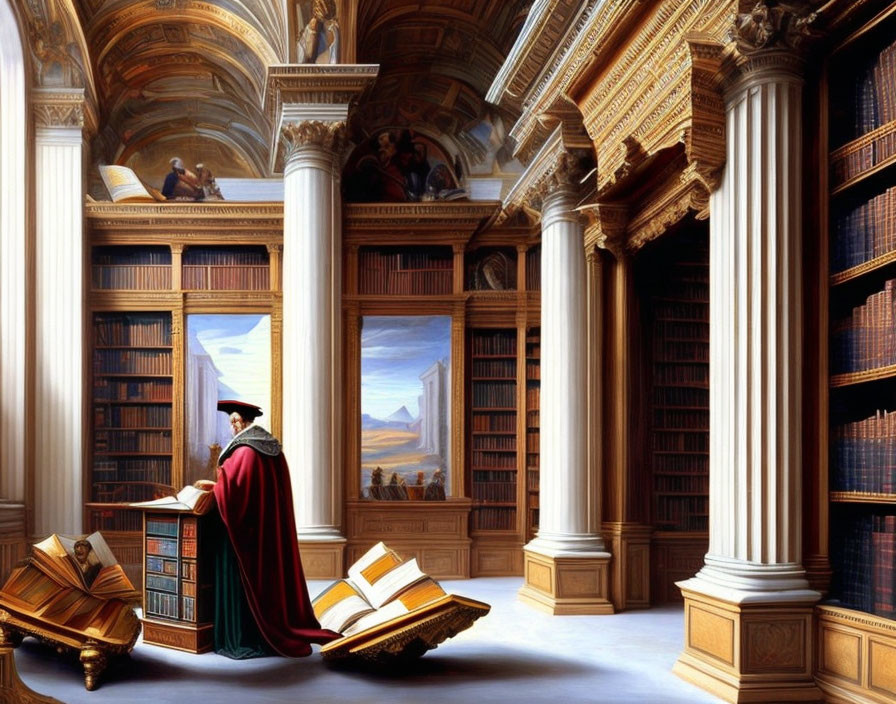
[{"x": 187, "y": 77}]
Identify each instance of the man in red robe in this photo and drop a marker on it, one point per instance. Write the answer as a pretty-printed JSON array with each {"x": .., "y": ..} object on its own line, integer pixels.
[{"x": 259, "y": 566}]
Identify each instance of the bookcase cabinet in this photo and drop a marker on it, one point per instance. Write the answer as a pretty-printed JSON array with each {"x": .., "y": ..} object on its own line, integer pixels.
[
  {"x": 674, "y": 287},
  {"x": 153, "y": 265},
  {"x": 441, "y": 265},
  {"x": 857, "y": 153},
  {"x": 178, "y": 582}
]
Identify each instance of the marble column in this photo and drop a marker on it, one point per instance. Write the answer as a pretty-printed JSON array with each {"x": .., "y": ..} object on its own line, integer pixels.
[
  {"x": 566, "y": 563},
  {"x": 311, "y": 324},
  {"x": 13, "y": 267},
  {"x": 311, "y": 104},
  {"x": 59, "y": 365},
  {"x": 753, "y": 587}
]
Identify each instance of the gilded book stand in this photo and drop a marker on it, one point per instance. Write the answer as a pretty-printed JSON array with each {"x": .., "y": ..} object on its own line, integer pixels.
[{"x": 45, "y": 597}]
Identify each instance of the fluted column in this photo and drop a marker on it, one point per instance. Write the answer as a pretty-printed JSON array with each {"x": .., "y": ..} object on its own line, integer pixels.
[
  {"x": 566, "y": 503},
  {"x": 59, "y": 318},
  {"x": 753, "y": 582},
  {"x": 310, "y": 104},
  {"x": 13, "y": 296},
  {"x": 311, "y": 323},
  {"x": 566, "y": 564}
]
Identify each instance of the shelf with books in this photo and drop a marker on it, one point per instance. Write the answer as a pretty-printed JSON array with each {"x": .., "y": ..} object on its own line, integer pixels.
[
  {"x": 244, "y": 268},
  {"x": 533, "y": 268},
  {"x": 492, "y": 459},
  {"x": 862, "y": 497},
  {"x": 861, "y": 281},
  {"x": 132, "y": 438},
  {"x": 673, "y": 285},
  {"x": 533, "y": 435},
  {"x": 147, "y": 267},
  {"x": 405, "y": 271},
  {"x": 178, "y": 596}
]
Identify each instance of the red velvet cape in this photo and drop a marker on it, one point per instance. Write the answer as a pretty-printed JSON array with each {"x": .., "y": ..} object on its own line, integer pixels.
[{"x": 255, "y": 502}]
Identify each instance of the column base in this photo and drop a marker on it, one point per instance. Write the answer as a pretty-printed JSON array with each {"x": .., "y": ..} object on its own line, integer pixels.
[
  {"x": 749, "y": 651},
  {"x": 323, "y": 557},
  {"x": 630, "y": 576},
  {"x": 566, "y": 584}
]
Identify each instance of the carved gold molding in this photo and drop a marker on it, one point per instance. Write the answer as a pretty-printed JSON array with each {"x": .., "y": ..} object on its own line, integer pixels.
[
  {"x": 456, "y": 220},
  {"x": 607, "y": 224},
  {"x": 561, "y": 163},
  {"x": 326, "y": 135},
  {"x": 65, "y": 107},
  {"x": 781, "y": 25}
]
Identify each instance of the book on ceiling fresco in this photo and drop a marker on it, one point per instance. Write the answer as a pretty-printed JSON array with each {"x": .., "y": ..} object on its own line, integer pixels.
[
  {"x": 388, "y": 608},
  {"x": 124, "y": 186}
]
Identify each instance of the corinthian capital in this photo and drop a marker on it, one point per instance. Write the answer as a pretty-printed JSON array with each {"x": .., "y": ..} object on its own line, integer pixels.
[
  {"x": 561, "y": 164},
  {"x": 771, "y": 25},
  {"x": 314, "y": 133}
]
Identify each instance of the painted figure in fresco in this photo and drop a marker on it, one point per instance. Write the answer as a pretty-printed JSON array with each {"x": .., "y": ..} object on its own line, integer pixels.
[
  {"x": 397, "y": 165},
  {"x": 86, "y": 560},
  {"x": 181, "y": 184},
  {"x": 319, "y": 39},
  {"x": 261, "y": 600},
  {"x": 206, "y": 178}
]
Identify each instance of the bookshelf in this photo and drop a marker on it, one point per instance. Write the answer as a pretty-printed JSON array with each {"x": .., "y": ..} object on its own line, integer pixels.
[
  {"x": 130, "y": 267},
  {"x": 408, "y": 271},
  {"x": 132, "y": 415},
  {"x": 857, "y": 154},
  {"x": 533, "y": 405},
  {"x": 226, "y": 268},
  {"x": 862, "y": 295},
  {"x": 178, "y": 592},
  {"x": 493, "y": 429},
  {"x": 675, "y": 299},
  {"x": 140, "y": 296},
  {"x": 533, "y": 268}
]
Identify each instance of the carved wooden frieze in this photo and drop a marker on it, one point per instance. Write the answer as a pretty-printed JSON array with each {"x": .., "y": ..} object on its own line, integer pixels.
[
  {"x": 59, "y": 107},
  {"x": 661, "y": 91}
]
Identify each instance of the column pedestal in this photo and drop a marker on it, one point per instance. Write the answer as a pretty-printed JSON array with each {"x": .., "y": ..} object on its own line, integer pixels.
[
  {"x": 572, "y": 584},
  {"x": 749, "y": 652}
]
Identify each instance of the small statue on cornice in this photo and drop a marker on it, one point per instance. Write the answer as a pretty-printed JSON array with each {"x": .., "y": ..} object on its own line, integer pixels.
[
  {"x": 318, "y": 40},
  {"x": 181, "y": 183}
]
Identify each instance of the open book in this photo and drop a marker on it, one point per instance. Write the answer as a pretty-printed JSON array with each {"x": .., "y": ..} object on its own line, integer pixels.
[
  {"x": 188, "y": 499},
  {"x": 384, "y": 595},
  {"x": 73, "y": 585},
  {"x": 125, "y": 187}
]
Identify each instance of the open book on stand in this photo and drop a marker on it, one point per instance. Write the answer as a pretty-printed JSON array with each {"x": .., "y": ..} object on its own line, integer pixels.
[
  {"x": 73, "y": 593},
  {"x": 387, "y": 608},
  {"x": 189, "y": 499},
  {"x": 125, "y": 187}
]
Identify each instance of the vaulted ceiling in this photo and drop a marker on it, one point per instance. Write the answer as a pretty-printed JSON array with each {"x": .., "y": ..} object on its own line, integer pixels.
[{"x": 186, "y": 77}]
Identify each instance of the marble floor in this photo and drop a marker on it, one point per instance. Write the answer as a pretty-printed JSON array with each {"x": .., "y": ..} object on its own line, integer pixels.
[{"x": 514, "y": 654}]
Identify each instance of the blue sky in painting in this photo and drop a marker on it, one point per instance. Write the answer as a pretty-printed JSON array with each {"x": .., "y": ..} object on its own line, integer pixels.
[
  {"x": 240, "y": 347},
  {"x": 395, "y": 351}
]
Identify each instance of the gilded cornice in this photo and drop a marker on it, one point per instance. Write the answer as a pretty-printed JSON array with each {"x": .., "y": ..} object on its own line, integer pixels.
[
  {"x": 606, "y": 226},
  {"x": 545, "y": 25},
  {"x": 670, "y": 203},
  {"x": 447, "y": 222},
  {"x": 561, "y": 163},
  {"x": 63, "y": 107},
  {"x": 186, "y": 222},
  {"x": 297, "y": 94},
  {"x": 570, "y": 53},
  {"x": 661, "y": 90}
]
